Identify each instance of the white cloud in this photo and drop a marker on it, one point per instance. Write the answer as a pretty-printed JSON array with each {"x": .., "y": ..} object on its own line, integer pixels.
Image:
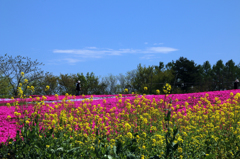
[
  {"x": 157, "y": 43},
  {"x": 93, "y": 52},
  {"x": 91, "y": 47},
  {"x": 147, "y": 57},
  {"x": 160, "y": 49},
  {"x": 71, "y": 61}
]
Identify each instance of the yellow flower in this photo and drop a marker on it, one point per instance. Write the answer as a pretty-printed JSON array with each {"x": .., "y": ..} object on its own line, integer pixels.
[
  {"x": 47, "y": 88},
  {"x": 143, "y": 147},
  {"x": 112, "y": 141},
  {"x": 8, "y": 104},
  {"x": 47, "y": 146},
  {"x": 180, "y": 150},
  {"x": 157, "y": 91},
  {"x": 145, "y": 88},
  {"x": 145, "y": 120},
  {"x": 22, "y": 74},
  {"x": 8, "y": 117},
  {"x": 10, "y": 143},
  {"x": 129, "y": 134},
  {"x": 25, "y": 81},
  {"x": 126, "y": 90},
  {"x": 144, "y": 134},
  {"x": 167, "y": 88}
]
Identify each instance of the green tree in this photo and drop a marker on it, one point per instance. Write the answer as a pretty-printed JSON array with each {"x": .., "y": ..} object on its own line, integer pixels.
[
  {"x": 187, "y": 72},
  {"x": 143, "y": 79},
  {"x": 207, "y": 77},
  {"x": 11, "y": 68},
  {"x": 218, "y": 75},
  {"x": 130, "y": 77},
  {"x": 160, "y": 78},
  {"x": 6, "y": 89},
  {"x": 111, "y": 82},
  {"x": 92, "y": 84},
  {"x": 230, "y": 74},
  {"x": 67, "y": 84},
  {"x": 48, "y": 80}
]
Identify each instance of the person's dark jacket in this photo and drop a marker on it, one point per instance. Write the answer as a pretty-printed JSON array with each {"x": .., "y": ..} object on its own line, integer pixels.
[
  {"x": 236, "y": 85},
  {"x": 78, "y": 88}
]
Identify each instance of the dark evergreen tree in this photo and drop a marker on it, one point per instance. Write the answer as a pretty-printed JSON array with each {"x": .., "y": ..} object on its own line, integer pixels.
[
  {"x": 187, "y": 72},
  {"x": 218, "y": 75},
  {"x": 207, "y": 77}
]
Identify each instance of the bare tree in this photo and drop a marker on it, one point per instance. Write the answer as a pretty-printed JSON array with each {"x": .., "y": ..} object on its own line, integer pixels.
[
  {"x": 122, "y": 80},
  {"x": 11, "y": 68},
  {"x": 130, "y": 76},
  {"x": 111, "y": 82}
]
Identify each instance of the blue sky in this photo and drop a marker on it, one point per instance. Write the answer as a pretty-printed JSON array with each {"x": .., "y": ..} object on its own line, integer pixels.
[{"x": 74, "y": 36}]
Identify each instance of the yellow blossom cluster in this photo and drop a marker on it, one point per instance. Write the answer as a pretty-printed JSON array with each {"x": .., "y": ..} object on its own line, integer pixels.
[{"x": 143, "y": 120}]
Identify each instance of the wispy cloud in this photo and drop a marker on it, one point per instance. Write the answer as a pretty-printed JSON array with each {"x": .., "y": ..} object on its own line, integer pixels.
[
  {"x": 71, "y": 61},
  {"x": 160, "y": 50},
  {"x": 147, "y": 57},
  {"x": 93, "y": 52},
  {"x": 150, "y": 57},
  {"x": 158, "y": 44},
  {"x": 146, "y": 43}
]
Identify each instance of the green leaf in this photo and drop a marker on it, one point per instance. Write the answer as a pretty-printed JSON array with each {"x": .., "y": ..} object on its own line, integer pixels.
[
  {"x": 108, "y": 156},
  {"x": 210, "y": 156},
  {"x": 59, "y": 149},
  {"x": 167, "y": 118},
  {"x": 175, "y": 146},
  {"x": 154, "y": 157},
  {"x": 131, "y": 156},
  {"x": 73, "y": 149},
  {"x": 119, "y": 147}
]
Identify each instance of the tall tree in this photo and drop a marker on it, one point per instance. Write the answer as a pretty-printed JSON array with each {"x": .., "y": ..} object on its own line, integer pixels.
[
  {"x": 159, "y": 68},
  {"x": 218, "y": 75},
  {"x": 11, "y": 68},
  {"x": 122, "y": 82},
  {"x": 48, "y": 80},
  {"x": 130, "y": 76},
  {"x": 207, "y": 76},
  {"x": 143, "y": 79},
  {"x": 188, "y": 72},
  {"x": 67, "y": 84},
  {"x": 230, "y": 74},
  {"x": 92, "y": 83},
  {"x": 6, "y": 89},
  {"x": 111, "y": 82}
]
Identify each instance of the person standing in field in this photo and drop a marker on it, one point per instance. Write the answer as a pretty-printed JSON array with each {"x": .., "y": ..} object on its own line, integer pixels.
[
  {"x": 236, "y": 84},
  {"x": 78, "y": 88}
]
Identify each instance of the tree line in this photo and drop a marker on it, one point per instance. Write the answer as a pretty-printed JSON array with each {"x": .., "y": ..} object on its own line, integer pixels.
[{"x": 185, "y": 76}]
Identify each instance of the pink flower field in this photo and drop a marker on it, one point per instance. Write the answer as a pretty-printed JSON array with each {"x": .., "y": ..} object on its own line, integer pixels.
[{"x": 106, "y": 103}]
